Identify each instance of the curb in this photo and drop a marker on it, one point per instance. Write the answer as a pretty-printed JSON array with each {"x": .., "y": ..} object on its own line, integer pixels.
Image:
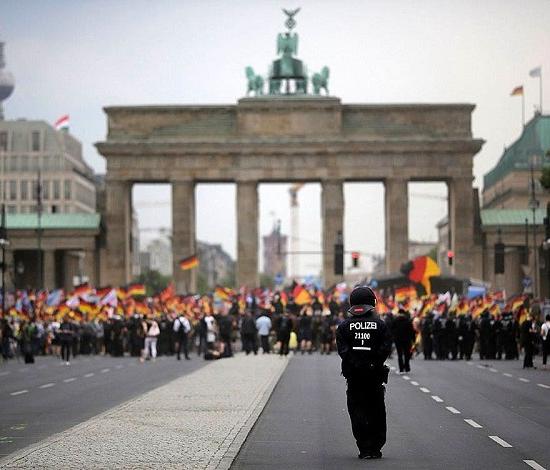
[{"x": 232, "y": 444}]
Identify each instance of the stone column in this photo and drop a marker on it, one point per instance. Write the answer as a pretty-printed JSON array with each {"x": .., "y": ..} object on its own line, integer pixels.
[
  {"x": 183, "y": 235},
  {"x": 118, "y": 220},
  {"x": 397, "y": 223},
  {"x": 461, "y": 225},
  {"x": 247, "y": 234},
  {"x": 49, "y": 269},
  {"x": 332, "y": 215}
]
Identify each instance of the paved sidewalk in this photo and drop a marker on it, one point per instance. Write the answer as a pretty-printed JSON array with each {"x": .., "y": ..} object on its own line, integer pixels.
[{"x": 197, "y": 421}]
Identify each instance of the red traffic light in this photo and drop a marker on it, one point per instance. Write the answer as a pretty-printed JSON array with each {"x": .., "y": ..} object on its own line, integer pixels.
[
  {"x": 355, "y": 254},
  {"x": 450, "y": 257}
]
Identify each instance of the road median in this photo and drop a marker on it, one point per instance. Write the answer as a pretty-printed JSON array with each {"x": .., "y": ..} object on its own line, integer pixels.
[{"x": 196, "y": 421}]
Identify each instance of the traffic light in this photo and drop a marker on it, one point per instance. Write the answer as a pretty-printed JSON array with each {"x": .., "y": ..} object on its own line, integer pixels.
[
  {"x": 499, "y": 258},
  {"x": 339, "y": 255},
  {"x": 450, "y": 257},
  {"x": 355, "y": 259}
]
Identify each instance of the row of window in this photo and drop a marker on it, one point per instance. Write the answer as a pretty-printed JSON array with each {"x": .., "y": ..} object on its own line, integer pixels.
[
  {"x": 35, "y": 141},
  {"x": 28, "y": 190},
  {"x": 33, "y": 163}
]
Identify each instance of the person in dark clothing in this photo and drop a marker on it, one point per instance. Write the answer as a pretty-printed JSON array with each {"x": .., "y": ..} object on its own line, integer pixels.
[
  {"x": 327, "y": 333},
  {"x": 498, "y": 333},
  {"x": 116, "y": 335},
  {"x": 66, "y": 334},
  {"x": 7, "y": 336},
  {"x": 427, "y": 336},
  {"x": 26, "y": 334},
  {"x": 305, "y": 330},
  {"x": 484, "y": 335},
  {"x": 451, "y": 338},
  {"x": 225, "y": 326},
  {"x": 283, "y": 333},
  {"x": 466, "y": 337},
  {"x": 364, "y": 342},
  {"x": 528, "y": 341},
  {"x": 439, "y": 338},
  {"x": 403, "y": 336},
  {"x": 181, "y": 328},
  {"x": 249, "y": 334}
]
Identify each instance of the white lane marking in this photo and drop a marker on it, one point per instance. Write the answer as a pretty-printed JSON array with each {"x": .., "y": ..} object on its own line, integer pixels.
[
  {"x": 91, "y": 374},
  {"x": 119, "y": 366},
  {"x": 42, "y": 367},
  {"x": 534, "y": 464},
  {"x": 524, "y": 380},
  {"x": 425, "y": 390},
  {"x": 543, "y": 385},
  {"x": 105, "y": 370},
  {"x": 70, "y": 379},
  {"x": 437, "y": 399},
  {"x": 507, "y": 374},
  {"x": 472, "y": 423},
  {"x": 493, "y": 369},
  {"x": 4, "y": 373},
  {"x": 406, "y": 377},
  {"x": 470, "y": 363},
  {"x": 480, "y": 367},
  {"x": 500, "y": 441},
  {"x": 453, "y": 410},
  {"x": 414, "y": 383},
  {"x": 20, "y": 392},
  {"x": 48, "y": 385},
  {"x": 24, "y": 369}
]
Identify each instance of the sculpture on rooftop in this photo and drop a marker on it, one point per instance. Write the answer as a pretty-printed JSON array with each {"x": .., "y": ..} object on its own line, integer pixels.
[
  {"x": 287, "y": 70},
  {"x": 255, "y": 82}
]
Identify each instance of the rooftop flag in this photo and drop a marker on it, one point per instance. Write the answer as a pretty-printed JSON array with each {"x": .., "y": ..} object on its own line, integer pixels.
[
  {"x": 62, "y": 123},
  {"x": 517, "y": 91}
]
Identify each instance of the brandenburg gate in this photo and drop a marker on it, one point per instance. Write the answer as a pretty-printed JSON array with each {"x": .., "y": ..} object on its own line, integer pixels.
[{"x": 287, "y": 135}]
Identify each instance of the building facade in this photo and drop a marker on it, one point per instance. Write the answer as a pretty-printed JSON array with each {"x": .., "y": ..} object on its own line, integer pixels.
[
  {"x": 30, "y": 150},
  {"x": 215, "y": 265},
  {"x": 275, "y": 247}
]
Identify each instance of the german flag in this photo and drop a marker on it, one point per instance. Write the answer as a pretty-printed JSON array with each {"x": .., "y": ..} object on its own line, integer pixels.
[
  {"x": 136, "y": 289},
  {"x": 167, "y": 293},
  {"x": 517, "y": 91},
  {"x": 82, "y": 289},
  {"x": 189, "y": 263},
  {"x": 403, "y": 293},
  {"x": 224, "y": 293},
  {"x": 301, "y": 295}
]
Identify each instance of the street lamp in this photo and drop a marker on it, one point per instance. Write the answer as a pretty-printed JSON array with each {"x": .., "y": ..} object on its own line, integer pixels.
[
  {"x": 534, "y": 205},
  {"x": 4, "y": 243}
]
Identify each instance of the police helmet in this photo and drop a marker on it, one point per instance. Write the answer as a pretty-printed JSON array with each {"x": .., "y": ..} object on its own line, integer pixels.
[{"x": 362, "y": 295}]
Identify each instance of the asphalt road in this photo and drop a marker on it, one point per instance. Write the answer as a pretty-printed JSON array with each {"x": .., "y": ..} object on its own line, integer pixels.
[
  {"x": 47, "y": 397},
  {"x": 449, "y": 414}
]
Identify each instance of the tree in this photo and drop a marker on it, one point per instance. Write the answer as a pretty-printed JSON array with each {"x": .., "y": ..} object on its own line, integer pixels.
[
  {"x": 545, "y": 176},
  {"x": 153, "y": 280}
]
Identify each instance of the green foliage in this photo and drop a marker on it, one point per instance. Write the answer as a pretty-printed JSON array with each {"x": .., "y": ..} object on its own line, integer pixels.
[
  {"x": 153, "y": 280},
  {"x": 267, "y": 281},
  {"x": 545, "y": 178}
]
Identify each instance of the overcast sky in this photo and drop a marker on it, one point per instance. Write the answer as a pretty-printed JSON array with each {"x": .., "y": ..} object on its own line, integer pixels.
[{"x": 76, "y": 56}]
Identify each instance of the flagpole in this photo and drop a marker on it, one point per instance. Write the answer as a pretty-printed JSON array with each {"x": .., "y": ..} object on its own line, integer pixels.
[
  {"x": 540, "y": 90},
  {"x": 523, "y": 108}
]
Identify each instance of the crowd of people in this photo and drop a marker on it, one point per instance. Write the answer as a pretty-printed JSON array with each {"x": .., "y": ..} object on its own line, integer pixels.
[{"x": 300, "y": 319}]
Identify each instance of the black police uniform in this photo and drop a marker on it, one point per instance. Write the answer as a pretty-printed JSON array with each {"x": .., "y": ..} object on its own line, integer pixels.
[{"x": 364, "y": 343}]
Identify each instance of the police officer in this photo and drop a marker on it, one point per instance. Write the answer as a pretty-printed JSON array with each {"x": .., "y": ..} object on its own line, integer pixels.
[{"x": 364, "y": 343}]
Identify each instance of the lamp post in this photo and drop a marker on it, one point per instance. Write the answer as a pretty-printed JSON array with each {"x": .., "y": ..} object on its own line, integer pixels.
[
  {"x": 39, "y": 229},
  {"x": 4, "y": 242},
  {"x": 533, "y": 205}
]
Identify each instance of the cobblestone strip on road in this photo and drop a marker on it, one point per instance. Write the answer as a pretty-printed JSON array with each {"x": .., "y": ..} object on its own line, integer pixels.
[{"x": 197, "y": 421}]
